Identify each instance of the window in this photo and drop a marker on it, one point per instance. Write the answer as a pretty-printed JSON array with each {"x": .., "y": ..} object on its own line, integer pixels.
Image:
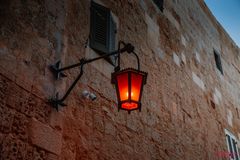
[
  {"x": 102, "y": 30},
  {"x": 218, "y": 61},
  {"x": 159, "y": 4},
  {"x": 232, "y": 146}
]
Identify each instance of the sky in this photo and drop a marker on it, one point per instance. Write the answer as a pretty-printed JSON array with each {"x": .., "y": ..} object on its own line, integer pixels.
[{"x": 227, "y": 12}]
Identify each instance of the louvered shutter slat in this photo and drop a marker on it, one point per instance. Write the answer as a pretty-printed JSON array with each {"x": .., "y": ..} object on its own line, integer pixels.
[
  {"x": 99, "y": 36},
  {"x": 235, "y": 149}
]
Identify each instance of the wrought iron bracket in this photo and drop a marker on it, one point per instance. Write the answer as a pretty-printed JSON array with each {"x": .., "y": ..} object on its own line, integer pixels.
[
  {"x": 56, "y": 103},
  {"x": 57, "y": 71}
]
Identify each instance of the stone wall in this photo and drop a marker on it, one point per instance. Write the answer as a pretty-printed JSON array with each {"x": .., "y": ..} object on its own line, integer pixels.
[{"x": 187, "y": 103}]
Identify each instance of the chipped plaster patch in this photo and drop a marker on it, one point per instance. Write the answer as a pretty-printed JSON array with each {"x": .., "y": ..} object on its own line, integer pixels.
[
  {"x": 184, "y": 58},
  {"x": 217, "y": 96},
  {"x": 229, "y": 117},
  {"x": 176, "y": 59},
  {"x": 197, "y": 56},
  {"x": 198, "y": 81},
  {"x": 183, "y": 40}
]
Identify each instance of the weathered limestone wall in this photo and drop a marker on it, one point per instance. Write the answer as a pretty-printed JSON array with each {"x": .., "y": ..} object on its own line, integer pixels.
[{"x": 187, "y": 102}]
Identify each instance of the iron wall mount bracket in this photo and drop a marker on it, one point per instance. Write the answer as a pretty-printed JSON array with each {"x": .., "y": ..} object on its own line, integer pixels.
[{"x": 57, "y": 71}]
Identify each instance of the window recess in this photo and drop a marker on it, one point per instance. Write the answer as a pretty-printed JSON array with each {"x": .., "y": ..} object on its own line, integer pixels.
[
  {"x": 218, "y": 61},
  {"x": 159, "y": 4}
]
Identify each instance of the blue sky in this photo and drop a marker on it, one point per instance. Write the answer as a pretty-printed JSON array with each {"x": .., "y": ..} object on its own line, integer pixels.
[{"x": 227, "y": 12}]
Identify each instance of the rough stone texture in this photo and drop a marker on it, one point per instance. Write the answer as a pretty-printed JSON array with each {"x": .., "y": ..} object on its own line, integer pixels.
[
  {"x": 186, "y": 105},
  {"x": 45, "y": 137}
]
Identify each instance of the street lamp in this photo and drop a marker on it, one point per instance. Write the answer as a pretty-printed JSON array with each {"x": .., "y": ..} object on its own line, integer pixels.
[{"x": 128, "y": 82}]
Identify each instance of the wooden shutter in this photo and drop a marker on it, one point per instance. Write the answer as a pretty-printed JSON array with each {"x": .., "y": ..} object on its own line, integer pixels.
[
  {"x": 230, "y": 146},
  {"x": 99, "y": 31},
  {"x": 102, "y": 31}
]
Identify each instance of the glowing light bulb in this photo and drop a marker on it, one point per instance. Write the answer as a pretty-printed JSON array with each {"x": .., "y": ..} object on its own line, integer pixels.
[{"x": 127, "y": 94}]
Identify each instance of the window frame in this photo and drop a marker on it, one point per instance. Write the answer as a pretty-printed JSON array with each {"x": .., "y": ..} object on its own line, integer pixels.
[{"x": 233, "y": 146}]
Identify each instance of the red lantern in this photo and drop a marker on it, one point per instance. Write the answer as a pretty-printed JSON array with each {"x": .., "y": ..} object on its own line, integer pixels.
[{"x": 129, "y": 81}]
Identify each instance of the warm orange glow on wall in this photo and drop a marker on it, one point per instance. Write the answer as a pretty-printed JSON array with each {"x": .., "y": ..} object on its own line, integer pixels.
[{"x": 129, "y": 81}]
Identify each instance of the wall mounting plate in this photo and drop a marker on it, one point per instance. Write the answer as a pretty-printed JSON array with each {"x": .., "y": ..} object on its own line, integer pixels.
[{"x": 55, "y": 70}]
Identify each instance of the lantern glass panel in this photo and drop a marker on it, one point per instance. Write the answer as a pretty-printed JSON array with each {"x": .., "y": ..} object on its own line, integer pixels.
[
  {"x": 136, "y": 84},
  {"x": 122, "y": 80}
]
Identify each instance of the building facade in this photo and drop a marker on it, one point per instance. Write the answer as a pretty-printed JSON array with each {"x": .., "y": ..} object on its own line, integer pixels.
[{"x": 190, "y": 104}]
